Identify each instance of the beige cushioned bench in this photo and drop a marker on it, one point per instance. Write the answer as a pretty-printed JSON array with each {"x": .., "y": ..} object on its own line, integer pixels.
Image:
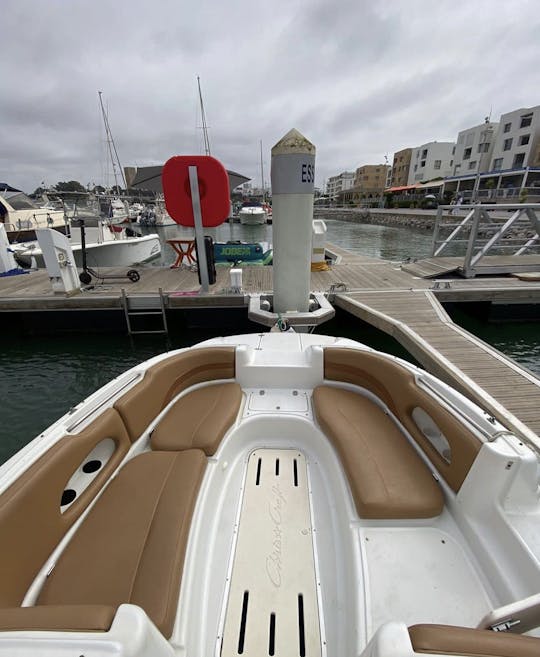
[
  {"x": 165, "y": 380},
  {"x": 199, "y": 419},
  {"x": 397, "y": 388},
  {"x": 131, "y": 546},
  {"x": 387, "y": 477},
  {"x": 31, "y": 521},
  {"x": 451, "y": 640}
]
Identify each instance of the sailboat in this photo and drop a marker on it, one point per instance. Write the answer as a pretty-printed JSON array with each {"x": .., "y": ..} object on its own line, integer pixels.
[{"x": 112, "y": 207}]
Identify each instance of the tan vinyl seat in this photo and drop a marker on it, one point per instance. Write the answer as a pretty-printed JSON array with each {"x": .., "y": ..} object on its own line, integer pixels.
[
  {"x": 451, "y": 640},
  {"x": 131, "y": 546},
  {"x": 79, "y": 618},
  {"x": 31, "y": 519},
  {"x": 388, "y": 479},
  {"x": 396, "y": 386},
  {"x": 165, "y": 380},
  {"x": 199, "y": 419}
]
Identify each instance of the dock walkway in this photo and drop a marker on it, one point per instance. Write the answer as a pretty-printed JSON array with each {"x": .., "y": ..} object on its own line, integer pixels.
[{"x": 382, "y": 293}]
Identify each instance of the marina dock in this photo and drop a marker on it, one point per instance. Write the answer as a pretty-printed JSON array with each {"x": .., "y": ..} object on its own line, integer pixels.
[{"x": 393, "y": 298}]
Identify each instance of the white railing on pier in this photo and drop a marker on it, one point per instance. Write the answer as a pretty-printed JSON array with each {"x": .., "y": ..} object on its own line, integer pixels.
[{"x": 486, "y": 229}]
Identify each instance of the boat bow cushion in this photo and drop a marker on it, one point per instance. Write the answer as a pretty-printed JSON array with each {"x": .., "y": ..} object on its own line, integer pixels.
[
  {"x": 165, "y": 380},
  {"x": 388, "y": 479},
  {"x": 199, "y": 419},
  {"x": 451, "y": 640},
  {"x": 131, "y": 546},
  {"x": 397, "y": 388}
]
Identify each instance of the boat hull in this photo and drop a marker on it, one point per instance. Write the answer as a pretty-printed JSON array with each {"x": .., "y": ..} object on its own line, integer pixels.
[{"x": 116, "y": 253}]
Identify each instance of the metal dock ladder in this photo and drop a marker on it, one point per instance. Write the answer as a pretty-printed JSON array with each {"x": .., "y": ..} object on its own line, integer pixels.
[{"x": 137, "y": 307}]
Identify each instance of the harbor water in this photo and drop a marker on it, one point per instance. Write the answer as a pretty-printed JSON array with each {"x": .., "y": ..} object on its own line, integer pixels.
[{"x": 41, "y": 378}]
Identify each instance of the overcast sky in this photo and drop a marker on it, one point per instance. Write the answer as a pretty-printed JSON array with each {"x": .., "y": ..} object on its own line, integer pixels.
[{"x": 359, "y": 79}]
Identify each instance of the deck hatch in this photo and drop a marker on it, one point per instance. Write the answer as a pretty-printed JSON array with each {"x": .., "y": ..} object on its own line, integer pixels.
[{"x": 272, "y": 606}]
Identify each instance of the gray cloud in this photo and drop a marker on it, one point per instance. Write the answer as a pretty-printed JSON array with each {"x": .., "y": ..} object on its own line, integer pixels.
[{"x": 360, "y": 79}]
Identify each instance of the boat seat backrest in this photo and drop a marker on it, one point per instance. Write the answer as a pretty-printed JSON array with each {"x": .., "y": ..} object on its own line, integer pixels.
[
  {"x": 199, "y": 419},
  {"x": 452, "y": 640},
  {"x": 163, "y": 381},
  {"x": 31, "y": 518},
  {"x": 397, "y": 388}
]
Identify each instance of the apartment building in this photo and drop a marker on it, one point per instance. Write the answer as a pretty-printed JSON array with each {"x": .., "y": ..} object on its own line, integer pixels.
[
  {"x": 518, "y": 138},
  {"x": 340, "y": 183},
  {"x": 432, "y": 160},
  {"x": 400, "y": 168},
  {"x": 474, "y": 149},
  {"x": 370, "y": 179}
]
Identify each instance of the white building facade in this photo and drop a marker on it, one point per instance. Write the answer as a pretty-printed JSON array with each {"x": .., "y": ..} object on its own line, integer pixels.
[
  {"x": 474, "y": 149},
  {"x": 432, "y": 160},
  {"x": 340, "y": 183},
  {"x": 517, "y": 139}
]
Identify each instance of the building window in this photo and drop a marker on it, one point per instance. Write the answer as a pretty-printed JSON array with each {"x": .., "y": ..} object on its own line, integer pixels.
[
  {"x": 519, "y": 159},
  {"x": 451, "y": 162},
  {"x": 472, "y": 164},
  {"x": 467, "y": 153},
  {"x": 507, "y": 127},
  {"x": 483, "y": 148},
  {"x": 526, "y": 121},
  {"x": 507, "y": 144},
  {"x": 497, "y": 164},
  {"x": 437, "y": 164},
  {"x": 415, "y": 167},
  {"x": 423, "y": 163},
  {"x": 524, "y": 140},
  {"x": 454, "y": 150},
  {"x": 424, "y": 153}
]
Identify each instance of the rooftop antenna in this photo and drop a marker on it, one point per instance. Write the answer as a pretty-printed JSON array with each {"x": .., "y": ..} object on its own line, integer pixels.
[
  {"x": 203, "y": 117},
  {"x": 113, "y": 153}
]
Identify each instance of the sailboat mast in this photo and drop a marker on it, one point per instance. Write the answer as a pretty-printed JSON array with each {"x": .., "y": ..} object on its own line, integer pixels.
[
  {"x": 203, "y": 117},
  {"x": 262, "y": 175},
  {"x": 115, "y": 160}
]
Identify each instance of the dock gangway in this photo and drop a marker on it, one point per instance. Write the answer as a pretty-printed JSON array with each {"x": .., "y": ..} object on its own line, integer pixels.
[{"x": 489, "y": 239}]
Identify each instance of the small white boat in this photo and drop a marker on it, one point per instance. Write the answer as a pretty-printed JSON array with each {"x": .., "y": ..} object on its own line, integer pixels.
[
  {"x": 272, "y": 494},
  {"x": 252, "y": 212},
  {"x": 106, "y": 246}
]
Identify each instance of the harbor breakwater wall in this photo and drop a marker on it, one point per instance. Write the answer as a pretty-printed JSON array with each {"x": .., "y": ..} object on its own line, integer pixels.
[{"x": 378, "y": 217}]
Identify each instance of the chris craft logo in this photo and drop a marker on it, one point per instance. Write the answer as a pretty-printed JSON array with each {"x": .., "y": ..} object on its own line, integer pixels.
[{"x": 274, "y": 560}]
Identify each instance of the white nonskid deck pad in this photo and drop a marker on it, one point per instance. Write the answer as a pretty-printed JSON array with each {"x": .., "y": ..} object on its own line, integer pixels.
[{"x": 272, "y": 606}]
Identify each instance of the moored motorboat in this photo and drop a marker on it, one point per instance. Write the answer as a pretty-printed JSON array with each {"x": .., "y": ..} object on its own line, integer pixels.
[
  {"x": 277, "y": 493},
  {"x": 252, "y": 212},
  {"x": 21, "y": 216},
  {"x": 106, "y": 246}
]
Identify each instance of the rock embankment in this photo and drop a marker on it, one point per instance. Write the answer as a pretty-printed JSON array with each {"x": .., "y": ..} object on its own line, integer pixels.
[{"x": 424, "y": 221}]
